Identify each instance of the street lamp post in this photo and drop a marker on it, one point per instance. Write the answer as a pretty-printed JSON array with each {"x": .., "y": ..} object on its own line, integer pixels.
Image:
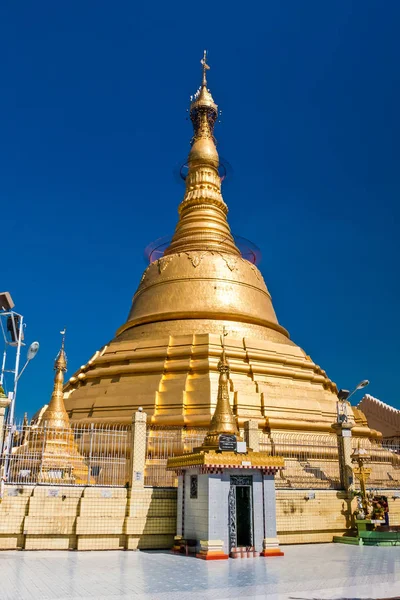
[
  {"x": 343, "y": 432},
  {"x": 10, "y": 417},
  {"x": 343, "y": 398},
  {"x": 12, "y": 327},
  {"x": 32, "y": 351}
]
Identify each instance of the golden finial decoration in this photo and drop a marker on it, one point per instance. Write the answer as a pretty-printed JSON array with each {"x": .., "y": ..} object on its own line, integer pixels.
[
  {"x": 223, "y": 362},
  {"x": 55, "y": 414},
  {"x": 61, "y": 359},
  {"x": 205, "y": 68},
  {"x": 203, "y": 110}
]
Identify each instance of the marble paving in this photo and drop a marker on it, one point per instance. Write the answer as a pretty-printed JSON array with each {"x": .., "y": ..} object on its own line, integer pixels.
[{"x": 306, "y": 572}]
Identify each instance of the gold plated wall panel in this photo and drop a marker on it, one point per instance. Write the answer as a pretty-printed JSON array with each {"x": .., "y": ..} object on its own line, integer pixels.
[{"x": 175, "y": 380}]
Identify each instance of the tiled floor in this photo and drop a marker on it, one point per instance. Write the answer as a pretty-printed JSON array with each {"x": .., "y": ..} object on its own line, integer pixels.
[{"x": 311, "y": 572}]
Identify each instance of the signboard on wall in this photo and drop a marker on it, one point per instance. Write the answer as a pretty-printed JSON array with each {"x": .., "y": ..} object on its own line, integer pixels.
[{"x": 227, "y": 443}]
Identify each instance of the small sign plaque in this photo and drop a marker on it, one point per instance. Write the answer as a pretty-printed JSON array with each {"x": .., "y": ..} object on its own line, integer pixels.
[
  {"x": 227, "y": 443},
  {"x": 106, "y": 493},
  {"x": 138, "y": 475},
  {"x": 12, "y": 492},
  {"x": 53, "y": 492}
]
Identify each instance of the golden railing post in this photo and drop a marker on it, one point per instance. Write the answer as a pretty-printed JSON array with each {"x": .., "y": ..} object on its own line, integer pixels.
[{"x": 138, "y": 450}]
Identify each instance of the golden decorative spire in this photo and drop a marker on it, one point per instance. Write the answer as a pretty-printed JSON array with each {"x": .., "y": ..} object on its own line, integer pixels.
[
  {"x": 202, "y": 224},
  {"x": 223, "y": 420},
  {"x": 55, "y": 414},
  {"x": 205, "y": 68}
]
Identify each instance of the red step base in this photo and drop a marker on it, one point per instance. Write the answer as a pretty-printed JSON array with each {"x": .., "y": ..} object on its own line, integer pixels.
[
  {"x": 272, "y": 552},
  {"x": 212, "y": 556}
]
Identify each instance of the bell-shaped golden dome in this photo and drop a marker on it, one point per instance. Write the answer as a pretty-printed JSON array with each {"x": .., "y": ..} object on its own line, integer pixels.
[{"x": 203, "y": 286}]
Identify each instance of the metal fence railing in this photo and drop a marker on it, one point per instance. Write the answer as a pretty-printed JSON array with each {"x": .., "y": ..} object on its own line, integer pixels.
[
  {"x": 79, "y": 455},
  {"x": 311, "y": 460},
  {"x": 163, "y": 443},
  {"x": 100, "y": 455}
]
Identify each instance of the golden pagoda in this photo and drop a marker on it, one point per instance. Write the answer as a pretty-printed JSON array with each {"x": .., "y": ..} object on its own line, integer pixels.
[
  {"x": 48, "y": 452},
  {"x": 165, "y": 357}
]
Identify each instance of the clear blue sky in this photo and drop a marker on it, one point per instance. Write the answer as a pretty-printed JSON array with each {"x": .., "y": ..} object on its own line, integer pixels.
[{"x": 93, "y": 123}]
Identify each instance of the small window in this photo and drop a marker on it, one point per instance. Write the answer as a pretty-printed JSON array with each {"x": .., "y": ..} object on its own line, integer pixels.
[{"x": 193, "y": 486}]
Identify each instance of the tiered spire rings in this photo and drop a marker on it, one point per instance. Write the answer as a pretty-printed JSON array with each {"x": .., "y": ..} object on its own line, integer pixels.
[{"x": 202, "y": 224}]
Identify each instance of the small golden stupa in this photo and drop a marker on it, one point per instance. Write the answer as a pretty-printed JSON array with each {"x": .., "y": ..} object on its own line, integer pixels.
[
  {"x": 49, "y": 452},
  {"x": 165, "y": 357},
  {"x": 223, "y": 423}
]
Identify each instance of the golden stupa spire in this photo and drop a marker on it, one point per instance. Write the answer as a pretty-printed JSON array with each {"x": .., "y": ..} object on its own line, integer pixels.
[
  {"x": 202, "y": 224},
  {"x": 55, "y": 414},
  {"x": 223, "y": 420}
]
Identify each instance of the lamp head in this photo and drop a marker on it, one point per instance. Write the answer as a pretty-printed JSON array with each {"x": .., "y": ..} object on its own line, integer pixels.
[
  {"x": 32, "y": 350},
  {"x": 362, "y": 384}
]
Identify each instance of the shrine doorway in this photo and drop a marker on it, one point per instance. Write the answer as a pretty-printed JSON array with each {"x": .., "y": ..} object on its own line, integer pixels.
[{"x": 241, "y": 527}]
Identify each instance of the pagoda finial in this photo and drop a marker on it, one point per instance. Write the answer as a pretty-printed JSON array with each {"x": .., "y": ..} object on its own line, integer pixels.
[
  {"x": 61, "y": 359},
  {"x": 205, "y": 68},
  {"x": 55, "y": 414},
  {"x": 203, "y": 111},
  {"x": 223, "y": 356},
  {"x": 63, "y": 332}
]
